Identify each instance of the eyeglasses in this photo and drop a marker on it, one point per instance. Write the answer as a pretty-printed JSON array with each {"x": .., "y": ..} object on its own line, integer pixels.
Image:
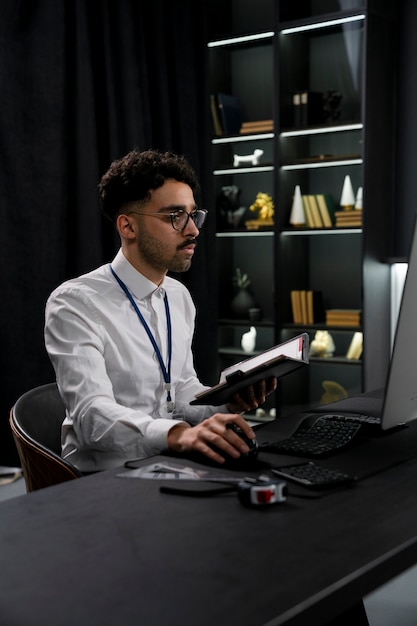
[{"x": 179, "y": 219}]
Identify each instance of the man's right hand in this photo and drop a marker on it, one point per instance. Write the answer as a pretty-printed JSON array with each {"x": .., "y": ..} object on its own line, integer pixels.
[{"x": 211, "y": 434}]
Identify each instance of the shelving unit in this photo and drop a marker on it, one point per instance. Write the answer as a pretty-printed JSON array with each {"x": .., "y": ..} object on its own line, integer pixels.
[{"x": 309, "y": 47}]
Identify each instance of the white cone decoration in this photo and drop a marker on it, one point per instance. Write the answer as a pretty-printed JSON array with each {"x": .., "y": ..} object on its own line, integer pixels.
[
  {"x": 297, "y": 217},
  {"x": 347, "y": 199},
  {"x": 359, "y": 196}
]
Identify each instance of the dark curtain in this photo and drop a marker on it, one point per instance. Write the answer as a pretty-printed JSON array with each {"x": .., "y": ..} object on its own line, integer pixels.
[{"x": 82, "y": 83}]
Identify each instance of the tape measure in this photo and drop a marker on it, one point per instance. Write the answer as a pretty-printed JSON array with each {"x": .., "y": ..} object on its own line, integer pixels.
[{"x": 262, "y": 491}]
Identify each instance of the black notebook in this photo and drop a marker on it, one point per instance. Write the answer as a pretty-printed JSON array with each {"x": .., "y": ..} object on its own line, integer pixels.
[
  {"x": 230, "y": 114},
  {"x": 277, "y": 361}
]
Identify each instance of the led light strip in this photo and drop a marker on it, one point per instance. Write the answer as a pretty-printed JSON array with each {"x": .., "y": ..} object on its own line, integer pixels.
[
  {"x": 248, "y": 137},
  {"x": 244, "y": 170},
  {"x": 242, "y": 39},
  {"x": 309, "y": 166},
  {"x": 342, "y": 20},
  {"x": 322, "y": 130}
]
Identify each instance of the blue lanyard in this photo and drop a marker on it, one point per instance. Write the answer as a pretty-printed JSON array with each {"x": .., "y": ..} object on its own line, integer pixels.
[{"x": 166, "y": 371}]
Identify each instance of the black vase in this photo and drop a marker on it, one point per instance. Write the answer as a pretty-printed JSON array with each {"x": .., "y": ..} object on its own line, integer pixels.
[{"x": 242, "y": 302}]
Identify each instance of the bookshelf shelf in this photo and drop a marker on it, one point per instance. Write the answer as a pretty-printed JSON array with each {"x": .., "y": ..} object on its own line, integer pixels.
[
  {"x": 241, "y": 138},
  {"x": 336, "y": 360},
  {"x": 309, "y": 232}
]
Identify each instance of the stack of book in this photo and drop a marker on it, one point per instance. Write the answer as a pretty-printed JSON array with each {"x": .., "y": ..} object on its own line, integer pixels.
[
  {"x": 307, "y": 306},
  {"x": 261, "y": 126},
  {"x": 351, "y": 219},
  {"x": 319, "y": 210},
  {"x": 343, "y": 317}
]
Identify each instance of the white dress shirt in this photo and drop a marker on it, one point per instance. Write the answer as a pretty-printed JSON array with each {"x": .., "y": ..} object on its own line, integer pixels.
[{"x": 107, "y": 370}]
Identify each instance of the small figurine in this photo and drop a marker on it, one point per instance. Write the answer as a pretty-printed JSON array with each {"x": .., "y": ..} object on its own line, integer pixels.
[
  {"x": 228, "y": 207},
  {"x": 252, "y": 159},
  {"x": 265, "y": 207},
  {"x": 333, "y": 392},
  {"x": 322, "y": 344},
  {"x": 248, "y": 341}
]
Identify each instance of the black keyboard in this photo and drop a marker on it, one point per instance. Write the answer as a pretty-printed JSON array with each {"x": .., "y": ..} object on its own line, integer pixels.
[
  {"x": 316, "y": 436},
  {"x": 358, "y": 418},
  {"x": 311, "y": 475}
]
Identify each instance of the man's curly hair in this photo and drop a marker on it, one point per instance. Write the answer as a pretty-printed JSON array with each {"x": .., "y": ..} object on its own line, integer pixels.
[{"x": 133, "y": 177}]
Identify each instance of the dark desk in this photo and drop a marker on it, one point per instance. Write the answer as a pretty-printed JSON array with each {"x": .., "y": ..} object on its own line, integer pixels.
[{"x": 105, "y": 550}]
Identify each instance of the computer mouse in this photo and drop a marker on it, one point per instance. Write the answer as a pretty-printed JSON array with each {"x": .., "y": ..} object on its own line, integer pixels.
[{"x": 251, "y": 443}]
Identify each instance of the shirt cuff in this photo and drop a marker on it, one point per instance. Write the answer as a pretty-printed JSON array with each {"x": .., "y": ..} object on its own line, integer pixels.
[{"x": 156, "y": 434}]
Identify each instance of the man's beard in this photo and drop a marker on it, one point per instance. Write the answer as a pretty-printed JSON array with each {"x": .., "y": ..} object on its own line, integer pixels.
[{"x": 155, "y": 253}]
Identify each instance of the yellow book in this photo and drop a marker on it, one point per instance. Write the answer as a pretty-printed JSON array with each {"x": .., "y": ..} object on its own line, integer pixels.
[
  {"x": 307, "y": 212},
  {"x": 318, "y": 222},
  {"x": 310, "y": 310},
  {"x": 296, "y": 306},
  {"x": 303, "y": 298},
  {"x": 325, "y": 215}
]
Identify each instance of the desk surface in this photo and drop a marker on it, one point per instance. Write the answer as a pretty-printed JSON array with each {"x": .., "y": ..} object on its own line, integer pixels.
[{"x": 106, "y": 550}]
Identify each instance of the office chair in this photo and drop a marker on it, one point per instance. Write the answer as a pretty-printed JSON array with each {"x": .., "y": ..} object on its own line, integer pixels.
[{"x": 35, "y": 420}]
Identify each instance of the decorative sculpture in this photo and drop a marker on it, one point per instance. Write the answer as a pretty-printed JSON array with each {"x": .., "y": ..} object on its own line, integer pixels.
[
  {"x": 252, "y": 159},
  {"x": 265, "y": 207},
  {"x": 322, "y": 344},
  {"x": 230, "y": 212},
  {"x": 248, "y": 341},
  {"x": 347, "y": 199},
  {"x": 297, "y": 217}
]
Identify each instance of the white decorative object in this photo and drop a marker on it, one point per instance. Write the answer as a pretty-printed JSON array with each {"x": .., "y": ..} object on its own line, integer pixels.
[
  {"x": 322, "y": 344},
  {"x": 248, "y": 341},
  {"x": 297, "y": 217},
  {"x": 347, "y": 199},
  {"x": 359, "y": 196},
  {"x": 252, "y": 159}
]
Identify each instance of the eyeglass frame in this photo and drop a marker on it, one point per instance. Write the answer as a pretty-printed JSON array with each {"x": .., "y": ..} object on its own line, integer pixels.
[{"x": 173, "y": 214}]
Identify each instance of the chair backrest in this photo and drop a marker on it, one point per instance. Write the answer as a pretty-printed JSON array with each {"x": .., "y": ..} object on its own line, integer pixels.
[{"x": 35, "y": 420}]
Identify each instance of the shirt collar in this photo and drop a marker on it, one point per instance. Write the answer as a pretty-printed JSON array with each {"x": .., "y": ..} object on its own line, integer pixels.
[{"x": 137, "y": 283}]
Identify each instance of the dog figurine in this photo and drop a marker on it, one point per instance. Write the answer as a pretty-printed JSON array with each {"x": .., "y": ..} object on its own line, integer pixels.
[{"x": 253, "y": 159}]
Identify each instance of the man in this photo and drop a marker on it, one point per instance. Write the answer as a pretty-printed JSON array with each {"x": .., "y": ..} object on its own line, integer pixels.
[{"x": 120, "y": 337}]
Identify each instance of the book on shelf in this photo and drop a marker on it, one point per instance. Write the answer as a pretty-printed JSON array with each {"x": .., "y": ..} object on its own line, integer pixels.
[
  {"x": 311, "y": 210},
  {"x": 261, "y": 126},
  {"x": 230, "y": 113},
  {"x": 319, "y": 210},
  {"x": 277, "y": 361},
  {"x": 296, "y": 100},
  {"x": 315, "y": 307},
  {"x": 343, "y": 317},
  {"x": 356, "y": 346},
  {"x": 307, "y": 212},
  {"x": 314, "y": 208},
  {"x": 215, "y": 116},
  {"x": 349, "y": 218},
  {"x": 311, "y": 108},
  {"x": 295, "y": 296},
  {"x": 307, "y": 306},
  {"x": 326, "y": 206},
  {"x": 303, "y": 305}
]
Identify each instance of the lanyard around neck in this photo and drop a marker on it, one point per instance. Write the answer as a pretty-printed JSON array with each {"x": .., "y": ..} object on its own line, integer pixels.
[{"x": 166, "y": 371}]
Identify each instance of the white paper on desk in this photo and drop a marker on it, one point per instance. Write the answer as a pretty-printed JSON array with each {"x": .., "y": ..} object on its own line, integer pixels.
[{"x": 174, "y": 471}]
